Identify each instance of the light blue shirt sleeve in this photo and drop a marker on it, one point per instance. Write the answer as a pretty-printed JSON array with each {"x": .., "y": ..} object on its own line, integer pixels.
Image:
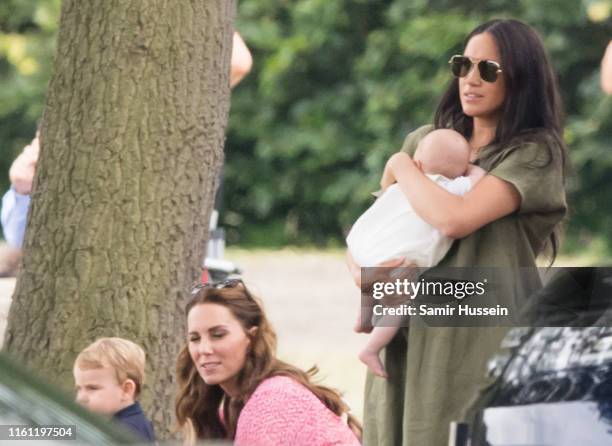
[{"x": 14, "y": 216}]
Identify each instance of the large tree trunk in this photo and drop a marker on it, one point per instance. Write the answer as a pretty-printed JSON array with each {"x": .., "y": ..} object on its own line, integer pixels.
[{"x": 132, "y": 141}]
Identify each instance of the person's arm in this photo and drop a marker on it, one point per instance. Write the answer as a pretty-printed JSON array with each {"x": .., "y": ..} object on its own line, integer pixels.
[
  {"x": 16, "y": 201},
  {"x": 387, "y": 178},
  {"x": 454, "y": 216},
  {"x": 409, "y": 146},
  {"x": 241, "y": 62},
  {"x": 14, "y": 217},
  {"x": 606, "y": 70},
  {"x": 475, "y": 174},
  {"x": 21, "y": 172}
]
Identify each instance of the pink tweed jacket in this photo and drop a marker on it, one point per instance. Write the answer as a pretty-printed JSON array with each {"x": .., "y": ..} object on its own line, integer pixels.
[{"x": 283, "y": 412}]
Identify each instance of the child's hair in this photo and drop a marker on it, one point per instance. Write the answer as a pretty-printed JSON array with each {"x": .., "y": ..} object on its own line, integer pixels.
[{"x": 125, "y": 357}]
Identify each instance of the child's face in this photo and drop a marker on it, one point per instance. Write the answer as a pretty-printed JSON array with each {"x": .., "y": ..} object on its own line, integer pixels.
[{"x": 99, "y": 391}]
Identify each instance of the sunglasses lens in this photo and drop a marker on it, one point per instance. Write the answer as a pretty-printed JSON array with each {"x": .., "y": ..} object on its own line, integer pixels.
[
  {"x": 460, "y": 66},
  {"x": 230, "y": 283},
  {"x": 488, "y": 70}
]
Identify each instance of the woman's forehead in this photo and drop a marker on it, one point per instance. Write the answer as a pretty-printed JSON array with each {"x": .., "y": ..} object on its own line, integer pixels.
[
  {"x": 482, "y": 46},
  {"x": 204, "y": 316}
]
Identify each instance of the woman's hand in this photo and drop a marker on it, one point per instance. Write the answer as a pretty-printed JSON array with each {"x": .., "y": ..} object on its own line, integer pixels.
[
  {"x": 355, "y": 269},
  {"x": 387, "y": 178},
  {"x": 398, "y": 162},
  {"x": 385, "y": 272},
  {"x": 395, "y": 164}
]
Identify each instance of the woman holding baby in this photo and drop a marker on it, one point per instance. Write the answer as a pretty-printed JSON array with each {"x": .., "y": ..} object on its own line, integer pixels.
[{"x": 504, "y": 101}]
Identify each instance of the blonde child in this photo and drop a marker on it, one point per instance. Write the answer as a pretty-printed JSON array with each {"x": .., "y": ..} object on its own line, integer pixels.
[{"x": 108, "y": 376}]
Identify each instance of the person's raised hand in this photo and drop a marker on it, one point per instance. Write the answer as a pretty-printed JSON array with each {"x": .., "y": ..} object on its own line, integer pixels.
[{"x": 21, "y": 173}]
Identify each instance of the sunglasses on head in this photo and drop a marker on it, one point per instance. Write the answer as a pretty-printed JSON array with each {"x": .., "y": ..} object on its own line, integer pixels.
[
  {"x": 229, "y": 283},
  {"x": 461, "y": 66}
]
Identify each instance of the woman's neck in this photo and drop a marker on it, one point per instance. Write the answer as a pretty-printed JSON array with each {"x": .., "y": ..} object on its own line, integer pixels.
[
  {"x": 230, "y": 388},
  {"x": 483, "y": 133}
]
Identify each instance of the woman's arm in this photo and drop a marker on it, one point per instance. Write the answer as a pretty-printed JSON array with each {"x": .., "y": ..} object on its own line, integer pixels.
[
  {"x": 475, "y": 174},
  {"x": 387, "y": 178},
  {"x": 453, "y": 215}
]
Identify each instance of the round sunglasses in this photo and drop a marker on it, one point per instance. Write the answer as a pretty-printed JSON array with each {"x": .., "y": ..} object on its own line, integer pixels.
[{"x": 461, "y": 66}]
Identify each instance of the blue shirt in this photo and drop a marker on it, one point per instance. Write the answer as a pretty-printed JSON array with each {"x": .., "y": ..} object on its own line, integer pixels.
[
  {"x": 134, "y": 419},
  {"x": 14, "y": 216}
]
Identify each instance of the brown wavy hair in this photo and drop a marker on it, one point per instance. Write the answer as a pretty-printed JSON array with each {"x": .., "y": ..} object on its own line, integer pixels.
[{"x": 198, "y": 404}]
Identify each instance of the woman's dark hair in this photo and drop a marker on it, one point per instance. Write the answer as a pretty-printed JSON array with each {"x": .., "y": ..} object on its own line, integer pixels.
[
  {"x": 197, "y": 403},
  {"x": 532, "y": 109}
]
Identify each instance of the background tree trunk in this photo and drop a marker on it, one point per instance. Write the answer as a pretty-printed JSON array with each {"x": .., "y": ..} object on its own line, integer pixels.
[{"x": 132, "y": 139}]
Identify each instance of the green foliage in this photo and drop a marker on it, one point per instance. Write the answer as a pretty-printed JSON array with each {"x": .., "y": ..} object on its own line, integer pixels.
[
  {"x": 335, "y": 87},
  {"x": 27, "y": 44}
]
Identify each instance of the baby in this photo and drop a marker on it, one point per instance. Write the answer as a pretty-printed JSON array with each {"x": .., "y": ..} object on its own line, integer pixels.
[
  {"x": 391, "y": 229},
  {"x": 108, "y": 376}
]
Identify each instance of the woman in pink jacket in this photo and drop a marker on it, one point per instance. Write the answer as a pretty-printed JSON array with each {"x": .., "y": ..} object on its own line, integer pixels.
[{"x": 232, "y": 386}]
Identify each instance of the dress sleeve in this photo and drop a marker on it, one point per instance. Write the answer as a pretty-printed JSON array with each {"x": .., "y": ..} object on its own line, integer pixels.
[
  {"x": 537, "y": 177},
  {"x": 410, "y": 144},
  {"x": 413, "y": 138}
]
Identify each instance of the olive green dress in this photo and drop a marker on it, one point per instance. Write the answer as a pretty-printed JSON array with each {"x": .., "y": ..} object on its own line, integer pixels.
[{"x": 435, "y": 372}]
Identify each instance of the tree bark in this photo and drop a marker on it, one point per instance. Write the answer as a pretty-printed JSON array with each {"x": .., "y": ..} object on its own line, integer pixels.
[{"x": 131, "y": 146}]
